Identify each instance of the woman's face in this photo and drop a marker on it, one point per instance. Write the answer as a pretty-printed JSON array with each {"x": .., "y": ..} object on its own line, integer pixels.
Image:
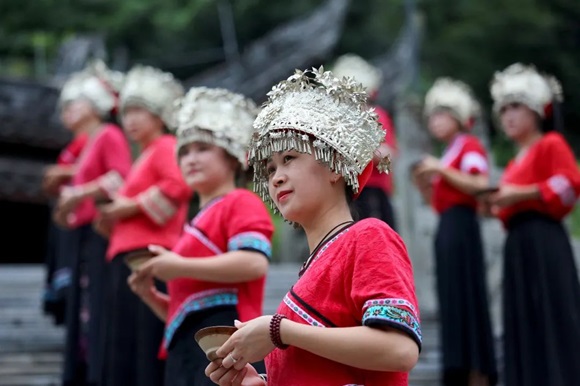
[
  {"x": 140, "y": 125},
  {"x": 206, "y": 167},
  {"x": 299, "y": 185},
  {"x": 75, "y": 113},
  {"x": 443, "y": 126},
  {"x": 518, "y": 120}
]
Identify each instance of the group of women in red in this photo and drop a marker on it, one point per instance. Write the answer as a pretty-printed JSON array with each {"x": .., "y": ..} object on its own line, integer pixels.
[
  {"x": 538, "y": 188},
  {"x": 352, "y": 317}
]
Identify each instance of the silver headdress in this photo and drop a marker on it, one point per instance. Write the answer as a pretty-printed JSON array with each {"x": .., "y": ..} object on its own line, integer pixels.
[
  {"x": 454, "y": 96},
  {"x": 219, "y": 117},
  {"x": 519, "y": 83},
  {"x": 97, "y": 84},
  {"x": 315, "y": 112},
  {"x": 154, "y": 90},
  {"x": 353, "y": 66}
]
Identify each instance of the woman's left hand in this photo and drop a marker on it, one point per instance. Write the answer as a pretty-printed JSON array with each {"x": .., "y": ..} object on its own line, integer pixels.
[
  {"x": 428, "y": 166},
  {"x": 506, "y": 195},
  {"x": 69, "y": 199},
  {"x": 166, "y": 265},
  {"x": 251, "y": 343},
  {"x": 247, "y": 376}
]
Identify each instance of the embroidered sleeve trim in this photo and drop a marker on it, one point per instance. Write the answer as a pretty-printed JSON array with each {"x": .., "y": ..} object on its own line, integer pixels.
[
  {"x": 390, "y": 302},
  {"x": 395, "y": 317},
  {"x": 562, "y": 187},
  {"x": 473, "y": 161},
  {"x": 251, "y": 241},
  {"x": 156, "y": 205},
  {"x": 110, "y": 183},
  {"x": 197, "y": 302}
]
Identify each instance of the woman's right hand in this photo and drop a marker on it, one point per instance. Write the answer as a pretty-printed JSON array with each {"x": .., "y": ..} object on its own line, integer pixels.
[{"x": 219, "y": 375}]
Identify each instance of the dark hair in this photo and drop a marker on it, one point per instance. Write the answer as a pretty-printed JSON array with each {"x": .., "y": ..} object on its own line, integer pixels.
[
  {"x": 555, "y": 121},
  {"x": 351, "y": 203}
]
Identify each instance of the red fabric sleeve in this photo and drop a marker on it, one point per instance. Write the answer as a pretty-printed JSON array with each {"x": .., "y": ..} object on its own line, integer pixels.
[
  {"x": 70, "y": 154},
  {"x": 561, "y": 190},
  {"x": 249, "y": 225},
  {"x": 473, "y": 158},
  {"x": 382, "y": 289},
  {"x": 116, "y": 152}
]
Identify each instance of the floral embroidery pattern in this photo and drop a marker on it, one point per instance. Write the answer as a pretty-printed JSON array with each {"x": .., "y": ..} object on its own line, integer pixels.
[
  {"x": 300, "y": 312},
  {"x": 251, "y": 240},
  {"x": 389, "y": 302},
  {"x": 196, "y": 302},
  {"x": 395, "y": 315}
]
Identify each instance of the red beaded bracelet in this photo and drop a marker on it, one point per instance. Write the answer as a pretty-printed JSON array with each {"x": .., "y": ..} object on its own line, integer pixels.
[{"x": 275, "y": 331}]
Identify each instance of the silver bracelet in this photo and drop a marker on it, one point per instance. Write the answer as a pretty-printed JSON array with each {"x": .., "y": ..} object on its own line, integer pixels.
[{"x": 264, "y": 377}]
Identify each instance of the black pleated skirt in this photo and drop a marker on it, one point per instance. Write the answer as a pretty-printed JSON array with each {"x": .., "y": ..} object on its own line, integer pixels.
[
  {"x": 133, "y": 333},
  {"x": 84, "y": 319},
  {"x": 58, "y": 272},
  {"x": 186, "y": 362},
  {"x": 541, "y": 306},
  {"x": 466, "y": 333}
]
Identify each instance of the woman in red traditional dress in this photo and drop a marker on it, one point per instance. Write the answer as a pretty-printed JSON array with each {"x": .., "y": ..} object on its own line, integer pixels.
[
  {"x": 538, "y": 189},
  {"x": 150, "y": 208},
  {"x": 215, "y": 274},
  {"x": 90, "y": 96},
  {"x": 352, "y": 316},
  {"x": 58, "y": 272},
  {"x": 451, "y": 184}
]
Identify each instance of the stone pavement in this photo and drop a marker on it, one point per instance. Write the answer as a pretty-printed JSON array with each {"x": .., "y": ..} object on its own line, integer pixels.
[{"x": 30, "y": 345}]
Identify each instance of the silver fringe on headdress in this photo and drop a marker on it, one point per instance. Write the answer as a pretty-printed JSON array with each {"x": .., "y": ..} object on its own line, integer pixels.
[
  {"x": 316, "y": 113},
  {"x": 218, "y": 117},
  {"x": 154, "y": 90},
  {"x": 97, "y": 84},
  {"x": 453, "y": 96},
  {"x": 523, "y": 84}
]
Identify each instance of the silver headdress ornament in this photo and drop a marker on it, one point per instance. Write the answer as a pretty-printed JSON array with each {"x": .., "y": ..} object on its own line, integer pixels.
[
  {"x": 453, "y": 96},
  {"x": 154, "y": 90},
  {"x": 353, "y": 66},
  {"x": 519, "y": 83},
  {"x": 219, "y": 117},
  {"x": 315, "y": 112},
  {"x": 97, "y": 84}
]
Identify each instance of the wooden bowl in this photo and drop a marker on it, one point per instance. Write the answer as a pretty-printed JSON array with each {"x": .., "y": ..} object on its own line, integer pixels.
[
  {"x": 136, "y": 258},
  {"x": 210, "y": 339}
]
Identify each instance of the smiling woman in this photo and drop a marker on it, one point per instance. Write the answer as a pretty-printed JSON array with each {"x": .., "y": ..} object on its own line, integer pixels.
[
  {"x": 352, "y": 316},
  {"x": 215, "y": 273}
]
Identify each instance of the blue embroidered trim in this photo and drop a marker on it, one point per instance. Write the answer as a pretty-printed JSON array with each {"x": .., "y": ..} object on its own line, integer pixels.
[
  {"x": 251, "y": 240},
  {"x": 197, "y": 302},
  {"x": 394, "y": 315}
]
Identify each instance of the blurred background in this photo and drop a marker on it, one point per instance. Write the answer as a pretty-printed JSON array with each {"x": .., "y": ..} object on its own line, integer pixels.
[{"x": 247, "y": 46}]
